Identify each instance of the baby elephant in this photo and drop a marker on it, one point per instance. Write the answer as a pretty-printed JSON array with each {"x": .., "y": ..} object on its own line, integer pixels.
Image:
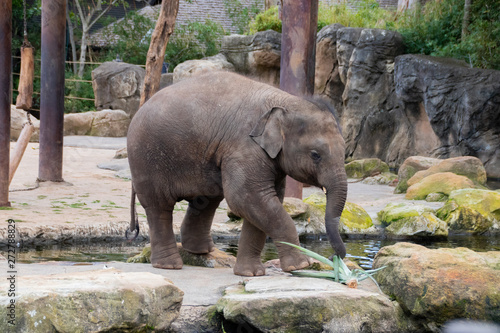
[{"x": 221, "y": 135}]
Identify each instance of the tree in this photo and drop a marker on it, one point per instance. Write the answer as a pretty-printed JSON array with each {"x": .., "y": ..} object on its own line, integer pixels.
[
  {"x": 466, "y": 20},
  {"x": 89, "y": 12}
]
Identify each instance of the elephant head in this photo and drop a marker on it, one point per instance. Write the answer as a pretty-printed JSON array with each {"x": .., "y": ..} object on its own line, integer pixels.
[{"x": 305, "y": 139}]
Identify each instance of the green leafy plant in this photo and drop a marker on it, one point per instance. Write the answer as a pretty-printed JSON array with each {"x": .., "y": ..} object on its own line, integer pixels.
[
  {"x": 339, "y": 273},
  {"x": 241, "y": 15}
]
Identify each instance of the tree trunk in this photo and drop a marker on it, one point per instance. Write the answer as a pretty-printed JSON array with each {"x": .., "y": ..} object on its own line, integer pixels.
[
  {"x": 71, "y": 40},
  {"x": 159, "y": 40},
  {"x": 466, "y": 20},
  {"x": 83, "y": 53}
]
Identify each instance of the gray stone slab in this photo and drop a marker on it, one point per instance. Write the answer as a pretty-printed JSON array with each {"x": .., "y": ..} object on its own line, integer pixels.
[{"x": 96, "y": 142}]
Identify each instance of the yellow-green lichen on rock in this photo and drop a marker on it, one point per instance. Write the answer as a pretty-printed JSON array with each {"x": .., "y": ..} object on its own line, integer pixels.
[
  {"x": 365, "y": 168},
  {"x": 410, "y": 167},
  {"x": 444, "y": 182},
  {"x": 353, "y": 219},
  {"x": 408, "y": 219},
  {"x": 472, "y": 210}
]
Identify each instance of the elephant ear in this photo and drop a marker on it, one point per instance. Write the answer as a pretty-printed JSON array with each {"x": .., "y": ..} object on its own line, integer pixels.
[{"x": 268, "y": 132}]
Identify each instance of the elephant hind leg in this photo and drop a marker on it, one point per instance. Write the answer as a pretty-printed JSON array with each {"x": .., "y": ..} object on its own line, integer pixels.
[
  {"x": 164, "y": 252},
  {"x": 195, "y": 228},
  {"x": 251, "y": 243}
]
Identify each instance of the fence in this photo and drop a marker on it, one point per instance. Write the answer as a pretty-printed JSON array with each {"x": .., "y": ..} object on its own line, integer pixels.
[{"x": 36, "y": 91}]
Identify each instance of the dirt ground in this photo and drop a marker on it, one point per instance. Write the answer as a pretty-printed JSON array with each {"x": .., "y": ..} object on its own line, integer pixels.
[{"x": 95, "y": 198}]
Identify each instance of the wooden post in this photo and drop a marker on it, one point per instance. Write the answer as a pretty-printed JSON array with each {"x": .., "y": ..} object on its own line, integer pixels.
[
  {"x": 298, "y": 53},
  {"x": 25, "y": 98},
  {"x": 159, "y": 40},
  {"x": 52, "y": 90},
  {"x": 20, "y": 148},
  {"x": 5, "y": 97}
]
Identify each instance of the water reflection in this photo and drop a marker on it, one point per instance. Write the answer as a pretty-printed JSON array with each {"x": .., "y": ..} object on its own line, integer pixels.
[{"x": 362, "y": 251}]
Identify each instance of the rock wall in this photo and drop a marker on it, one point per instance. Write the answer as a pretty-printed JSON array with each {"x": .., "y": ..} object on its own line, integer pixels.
[{"x": 391, "y": 106}]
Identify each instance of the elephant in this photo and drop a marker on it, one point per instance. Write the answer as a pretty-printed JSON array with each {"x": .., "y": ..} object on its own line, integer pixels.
[{"x": 222, "y": 135}]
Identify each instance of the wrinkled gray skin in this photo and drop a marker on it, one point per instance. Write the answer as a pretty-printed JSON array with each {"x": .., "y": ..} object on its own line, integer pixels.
[{"x": 225, "y": 136}]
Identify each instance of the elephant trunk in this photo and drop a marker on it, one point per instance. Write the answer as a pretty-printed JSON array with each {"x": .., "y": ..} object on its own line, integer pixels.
[{"x": 336, "y": 194}]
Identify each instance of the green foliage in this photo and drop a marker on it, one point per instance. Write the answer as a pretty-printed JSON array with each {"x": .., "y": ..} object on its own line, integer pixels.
[
  {"x": 73, "y": 88},
  {"x": 434, "y": 29},
  {"x": 33, "y": 27},
  {"x": 241, "y": 15},
  {"x": 194, "y": 40}
]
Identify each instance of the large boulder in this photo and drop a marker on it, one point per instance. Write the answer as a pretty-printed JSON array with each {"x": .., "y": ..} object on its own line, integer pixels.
[
  {"x": 472, "y": 210},
  {"x": 257, "y": 56},
  {"x": 117, "y": 86},
  {"x": 443, "y": 284},
  {"x": 411, "y": 166},
  {"x": 410, "y": 220},
  {"x": 291, "y": 304},
  {"x": 18, "y": 118},
  {"x": 454, "y": 107},
  {"x": 95, "y": 301},
  {"x": 108, "y": 123},
  {"x": 191, "y": 68},
  {"x": 442, "y": 182},
  {"x": 468, "y": 166}
]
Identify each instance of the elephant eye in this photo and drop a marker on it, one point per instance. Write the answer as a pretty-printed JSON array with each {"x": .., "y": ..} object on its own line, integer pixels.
[{"x": 316, "y": 157}]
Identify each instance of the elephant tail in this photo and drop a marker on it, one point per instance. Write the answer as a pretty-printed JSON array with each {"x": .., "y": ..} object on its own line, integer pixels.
[{"x": 134, "y": 220}]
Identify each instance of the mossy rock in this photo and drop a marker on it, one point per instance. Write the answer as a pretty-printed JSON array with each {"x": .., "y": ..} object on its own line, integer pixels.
[
  {"x": 143, "y": 257},
  {"x": 353, "y": 219},
  {"x": 365, "y": 168},
  {"x": 436, "y": 197},
  {"x": 385, "y": 178},
  {"x": 398, "y": 211},
  {"x": 471, "y": 210},
  {"x": 467, "y": 166},
  {"x": 410, "y": 167},
  {"x": 444, "y": 182},
  {"x": 424, "y": 225}
]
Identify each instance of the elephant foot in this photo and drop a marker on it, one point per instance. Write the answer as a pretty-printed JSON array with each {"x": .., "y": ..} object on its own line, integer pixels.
[
  {"x": 291, "y": 263},
  {"x": 249, "y": 268},
  {"x": 199, "y": 247},
  {"x": 173, "y": 261}
]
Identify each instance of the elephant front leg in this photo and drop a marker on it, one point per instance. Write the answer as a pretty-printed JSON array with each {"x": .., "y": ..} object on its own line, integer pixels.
[
  {"x": 164, "y": 252},
  {"x": 250, "y": 245},
  {"x": 195, "y": 228}
]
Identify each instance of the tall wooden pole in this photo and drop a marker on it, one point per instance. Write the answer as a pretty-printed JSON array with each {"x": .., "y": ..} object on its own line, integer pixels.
[
  {"x": 52, "y": 90},
  {"x": 298, "y": 53},
  {"x": 5, "y": 97}
]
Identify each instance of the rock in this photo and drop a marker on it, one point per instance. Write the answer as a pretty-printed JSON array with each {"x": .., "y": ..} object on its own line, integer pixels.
[
  {"x": 107, "y": 123},
  {"x": 291, "y": 304},
  {"x": 354, "y": 218},
  {"x": 457, "y": 105},
  {"x": 472, "y": 210},
  {"x": 385, "y": 178},
  {"x": 18, "y": 118},
  {"x": 214, "y": 259},
  {"x": 121, "y": 153},
  {"x": 371, "y": 113},
  {"x": 468, "y": 166},
  {"x": 347, "y": 39},
  {"x": 117, "y": 86},
  {"x": 327, "y": 78},
  {"x": 365, "y": 168},
  {"x": 166, "y": 79},
  {"x": 257, "y": 56},
  {"x": 295, "y": 207},
  {"x": 110, "y": 123},
  {"x": 443, "y": 284},
  {"x": 197, "y": 67},
  {"x": 436, "y": 197},
  {"x": 443, "y": 182},
  {"x": 397, "y": 211},
  {"x": 95, "y": 301},
  {"x": 115, "y": 165},
  {"x": 410, "y": 167}
]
